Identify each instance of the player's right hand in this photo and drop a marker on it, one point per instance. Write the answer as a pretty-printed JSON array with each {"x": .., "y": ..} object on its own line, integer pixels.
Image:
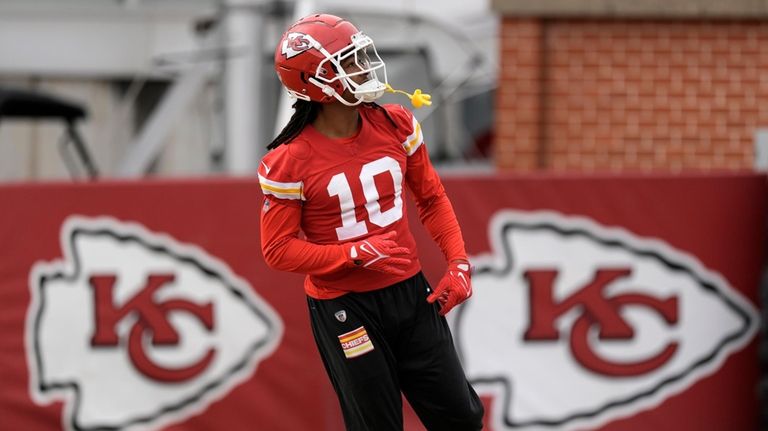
[{"x": 380, "y": 253}]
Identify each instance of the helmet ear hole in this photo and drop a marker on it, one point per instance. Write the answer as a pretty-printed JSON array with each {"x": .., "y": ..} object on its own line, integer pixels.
[{"x": 304, "y": 78}]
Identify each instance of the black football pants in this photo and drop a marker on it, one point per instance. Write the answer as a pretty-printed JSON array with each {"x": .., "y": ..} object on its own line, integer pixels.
[{"x": 376, "y": 344}]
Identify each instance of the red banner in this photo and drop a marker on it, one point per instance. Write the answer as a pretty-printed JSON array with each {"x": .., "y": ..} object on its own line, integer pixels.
[{"x": 600, "y": 303}]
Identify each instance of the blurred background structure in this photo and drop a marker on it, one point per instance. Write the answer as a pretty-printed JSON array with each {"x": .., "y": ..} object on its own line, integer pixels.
[
  {"x": 178, "y": 88},
  {"x": 187, "y": 87}
]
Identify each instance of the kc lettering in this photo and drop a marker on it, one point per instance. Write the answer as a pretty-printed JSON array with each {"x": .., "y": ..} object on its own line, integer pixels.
[
  {"x": 132, "y": 326},
  {"x": 597, "y": 311},
  {"x": 151, "y": 320},
  {"x": 565, "y": 307}
]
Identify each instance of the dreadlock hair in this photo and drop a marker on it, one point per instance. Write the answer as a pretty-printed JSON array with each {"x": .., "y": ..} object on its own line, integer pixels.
[{"x": 305, "y": 113}]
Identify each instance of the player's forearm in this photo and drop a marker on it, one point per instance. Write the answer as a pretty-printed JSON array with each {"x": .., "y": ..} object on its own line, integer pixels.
[
  {"x": 295, "y": 255},
  {"x": 435, "y": 210},
  {"x": 438, "y": 217},
  {"x": 284, "y": 251}
]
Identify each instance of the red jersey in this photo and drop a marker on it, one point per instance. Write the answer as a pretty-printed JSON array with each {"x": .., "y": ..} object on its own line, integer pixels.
[{"x": 343, "y": 190}]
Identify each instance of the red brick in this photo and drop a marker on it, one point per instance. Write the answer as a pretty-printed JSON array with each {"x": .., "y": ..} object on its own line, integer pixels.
[{"x": 631, "y": 95}]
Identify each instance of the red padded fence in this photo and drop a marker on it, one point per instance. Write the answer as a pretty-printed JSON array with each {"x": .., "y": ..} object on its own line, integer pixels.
[{"x": 610, "y": 303}]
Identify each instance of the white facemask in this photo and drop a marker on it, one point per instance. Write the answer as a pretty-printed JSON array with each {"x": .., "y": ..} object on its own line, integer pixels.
[{"x": 368, "y": 63}]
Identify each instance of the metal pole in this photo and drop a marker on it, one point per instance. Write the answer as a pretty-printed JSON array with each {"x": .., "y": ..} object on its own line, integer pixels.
[
  {"x": 301, "y": 9},
  {"x": 761, "y": 150},
  {"x": 153, "y": 135},
  {"x": 243, "y": 24},
  {"x": 82, "y": 150}
]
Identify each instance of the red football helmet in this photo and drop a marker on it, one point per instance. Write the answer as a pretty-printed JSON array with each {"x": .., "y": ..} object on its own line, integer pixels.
[{"x": 309, "y": 56}]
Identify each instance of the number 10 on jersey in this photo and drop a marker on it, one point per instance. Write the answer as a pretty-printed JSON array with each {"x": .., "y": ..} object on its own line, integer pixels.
[{"x": 339, "y": 186}]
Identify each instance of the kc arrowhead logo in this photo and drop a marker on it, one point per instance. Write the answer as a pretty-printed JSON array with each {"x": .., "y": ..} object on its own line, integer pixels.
[
  {"x": 295, "y": 43},
  {"x": 589, "y": 324},
  {"x": 132, "y": 327}
]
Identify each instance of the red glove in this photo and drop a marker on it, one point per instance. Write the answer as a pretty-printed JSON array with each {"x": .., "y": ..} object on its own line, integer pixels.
[
  {"x": 454, "y": 288},
  {"x": 380, "y": 253}
]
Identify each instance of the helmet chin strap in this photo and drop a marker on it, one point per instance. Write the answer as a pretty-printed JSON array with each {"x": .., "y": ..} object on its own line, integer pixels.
[
  {"x": 366, "y": 92},
  {"x": 371, "y": 90},
  {"x": 330, "y": 91}
]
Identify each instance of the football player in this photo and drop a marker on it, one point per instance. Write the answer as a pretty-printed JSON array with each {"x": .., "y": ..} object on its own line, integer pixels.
[{"x": 334, "y": 209}]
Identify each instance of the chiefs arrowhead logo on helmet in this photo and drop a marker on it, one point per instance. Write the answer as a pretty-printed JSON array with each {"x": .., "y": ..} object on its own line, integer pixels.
[
  {"x": 590, "y": 324},
  {"x": 132, "y": 327},
  {"x": 295, "y": 43}
]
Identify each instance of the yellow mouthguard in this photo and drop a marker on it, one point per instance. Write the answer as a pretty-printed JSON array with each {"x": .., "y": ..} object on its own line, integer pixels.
[{"x": 418, "y": 99}]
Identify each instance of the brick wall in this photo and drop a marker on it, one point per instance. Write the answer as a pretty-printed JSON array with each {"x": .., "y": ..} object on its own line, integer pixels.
[{"x": 630, "y": 95}]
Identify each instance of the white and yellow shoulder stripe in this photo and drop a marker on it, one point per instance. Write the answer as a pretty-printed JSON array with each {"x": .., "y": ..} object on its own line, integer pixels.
[
  {"x": 282, "y": 190},
  {"x": 414, "y": 140}
]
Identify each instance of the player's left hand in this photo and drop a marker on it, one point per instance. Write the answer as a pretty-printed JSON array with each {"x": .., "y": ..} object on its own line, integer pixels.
[{"x": 454, "y": 288}]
